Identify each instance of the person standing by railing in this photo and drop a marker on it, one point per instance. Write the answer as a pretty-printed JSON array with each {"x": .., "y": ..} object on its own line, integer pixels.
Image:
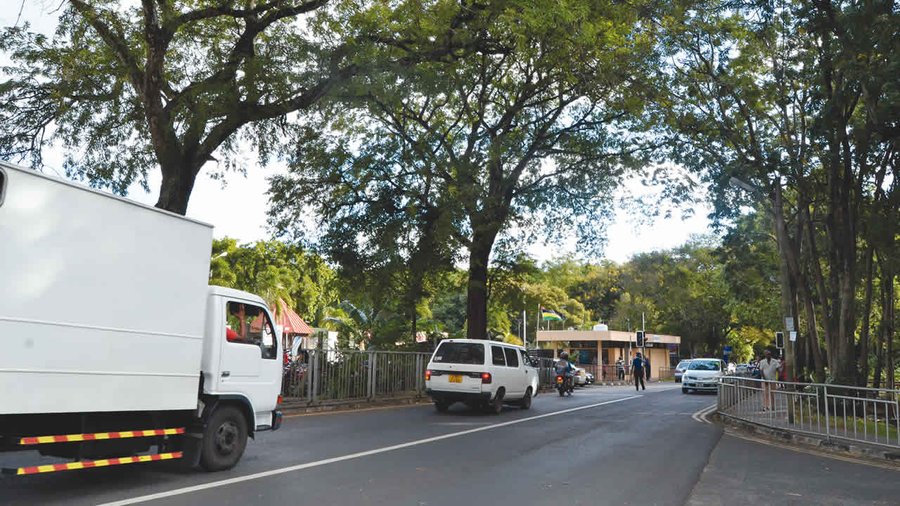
[{"x": 769, "y": 367}]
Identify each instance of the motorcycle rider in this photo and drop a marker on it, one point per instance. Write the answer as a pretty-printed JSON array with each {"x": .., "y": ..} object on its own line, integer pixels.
[{"x": 566, "y": 369}]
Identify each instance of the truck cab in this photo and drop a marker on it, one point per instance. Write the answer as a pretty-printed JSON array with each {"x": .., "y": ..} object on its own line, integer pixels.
[{"x": 241, "y": 354}]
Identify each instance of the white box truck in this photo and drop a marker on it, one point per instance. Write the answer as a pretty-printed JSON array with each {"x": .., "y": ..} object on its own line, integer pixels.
[{"x": 113, "y": 349}]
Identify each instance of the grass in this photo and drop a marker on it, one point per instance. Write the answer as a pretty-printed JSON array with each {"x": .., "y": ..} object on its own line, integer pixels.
[{"x": 863, "y": 426}]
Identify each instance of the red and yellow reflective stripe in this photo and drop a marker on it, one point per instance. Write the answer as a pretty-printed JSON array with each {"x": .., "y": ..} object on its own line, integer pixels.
[
  {"x": 96, "y": 436},
  {"x": 86, "y": 464}
]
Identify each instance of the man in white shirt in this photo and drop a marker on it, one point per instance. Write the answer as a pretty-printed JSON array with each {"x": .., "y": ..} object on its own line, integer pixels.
[{"x": 769, "y": 368}]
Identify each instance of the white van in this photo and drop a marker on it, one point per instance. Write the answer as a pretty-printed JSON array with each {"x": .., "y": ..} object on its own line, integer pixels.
[{"x": 479, "y": 373}]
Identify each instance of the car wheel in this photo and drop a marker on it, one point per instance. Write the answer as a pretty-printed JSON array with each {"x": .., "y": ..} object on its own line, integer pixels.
[
  {"x": 684, "y": 390},
  {"x": 496, "y": 406},
  {"x": 526, "y": 401},
  {"x": 441, "y": 406},
  {"x": 224, "y": 439}
]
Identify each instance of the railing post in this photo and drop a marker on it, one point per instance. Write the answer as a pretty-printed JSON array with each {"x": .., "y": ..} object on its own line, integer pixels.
[
  {"x": 419, "y": 375},
  {"x": 313, "y": 383},
  {"x": 373, "y": 361},
  {"x": 827, "y": 417}
]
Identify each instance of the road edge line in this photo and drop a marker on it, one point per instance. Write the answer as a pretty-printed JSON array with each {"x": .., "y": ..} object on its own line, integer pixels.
[{"x": 701, "y": 414}]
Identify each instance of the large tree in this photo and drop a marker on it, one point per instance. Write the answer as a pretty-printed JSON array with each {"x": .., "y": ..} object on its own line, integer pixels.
[
  {"x": 528, "y": 132},
  {"x": 794, "y": 102},
  {"x": 126, "y": 87}
]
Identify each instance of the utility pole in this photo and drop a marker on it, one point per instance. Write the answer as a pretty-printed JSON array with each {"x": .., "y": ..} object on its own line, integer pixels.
[
  {"x": 525, "y": 330},
  {"x": 628, "y": 329}
]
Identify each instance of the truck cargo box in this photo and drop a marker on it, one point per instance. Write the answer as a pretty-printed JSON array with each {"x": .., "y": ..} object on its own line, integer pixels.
[{"x": 102, "y": 300}]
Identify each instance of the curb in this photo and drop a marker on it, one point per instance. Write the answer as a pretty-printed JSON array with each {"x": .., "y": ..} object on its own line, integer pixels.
[
  {"x": 289, "y": 408},
  {"x": 862, "y": 451}
]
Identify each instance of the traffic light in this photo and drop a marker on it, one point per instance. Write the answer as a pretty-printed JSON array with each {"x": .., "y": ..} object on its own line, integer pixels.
[
  {"x": 779, "y": 340},
  {"x": 640, "y": 339}
]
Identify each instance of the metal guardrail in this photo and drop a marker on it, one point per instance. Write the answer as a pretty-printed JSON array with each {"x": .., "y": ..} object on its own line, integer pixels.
[
  {"x": 666, "y": 373},
  {"x": 865, "y": 415},
  {"x": 352, "y": 375}
]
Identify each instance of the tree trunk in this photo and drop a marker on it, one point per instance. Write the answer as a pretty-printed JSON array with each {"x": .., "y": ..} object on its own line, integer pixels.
[
  {"x": 477, "y": 302},
  {"x": 879, "y": 345},
  {"x": 887, "y": 312},
  {"x": 176, "y": 187},
  {"x": 867, "y": 311}
]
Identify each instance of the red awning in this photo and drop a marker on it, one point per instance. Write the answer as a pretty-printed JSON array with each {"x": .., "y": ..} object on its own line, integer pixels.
[{"x": 290, "y": 322}]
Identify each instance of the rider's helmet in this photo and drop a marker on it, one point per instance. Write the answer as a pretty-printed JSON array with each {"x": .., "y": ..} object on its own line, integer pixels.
[{"x": 564, "y": 356}]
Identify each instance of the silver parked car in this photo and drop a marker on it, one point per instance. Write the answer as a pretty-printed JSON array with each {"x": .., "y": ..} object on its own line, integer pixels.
[{"x": 680, "y": 368}]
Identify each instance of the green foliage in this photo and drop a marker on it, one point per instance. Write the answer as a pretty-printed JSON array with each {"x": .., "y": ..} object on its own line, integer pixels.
[
  {"x": 526, "y": 128},
  {"x": 124, "y": 88},
  {"x": 273, "y": 270}
]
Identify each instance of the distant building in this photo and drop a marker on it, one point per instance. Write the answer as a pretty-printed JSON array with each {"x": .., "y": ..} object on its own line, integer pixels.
[{"x": 589, "y": 347}]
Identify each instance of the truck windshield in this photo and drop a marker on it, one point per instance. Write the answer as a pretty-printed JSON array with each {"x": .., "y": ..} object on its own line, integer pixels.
[{"x": 460, "y": 353}]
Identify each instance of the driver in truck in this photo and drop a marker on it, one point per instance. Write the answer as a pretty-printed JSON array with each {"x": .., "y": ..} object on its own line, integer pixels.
[{"x": 237, "y": 319}]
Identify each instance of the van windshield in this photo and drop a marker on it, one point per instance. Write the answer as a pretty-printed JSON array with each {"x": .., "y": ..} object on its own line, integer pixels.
[{"x": 460, "y": 353}]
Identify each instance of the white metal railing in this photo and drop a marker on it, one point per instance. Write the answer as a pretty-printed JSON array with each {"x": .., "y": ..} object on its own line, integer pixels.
[{"x": 867, "y": 415}]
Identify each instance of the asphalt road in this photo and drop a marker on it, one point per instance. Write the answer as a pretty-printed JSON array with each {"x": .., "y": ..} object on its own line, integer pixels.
[{"x": 602, "y": 446}]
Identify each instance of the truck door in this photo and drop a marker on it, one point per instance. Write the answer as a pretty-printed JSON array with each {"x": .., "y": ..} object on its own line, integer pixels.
[{"x": 249, "y": 361}]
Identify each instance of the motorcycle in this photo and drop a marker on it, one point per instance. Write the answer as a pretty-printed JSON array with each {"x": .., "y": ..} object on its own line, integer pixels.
[{"x": 563, "y": 386}]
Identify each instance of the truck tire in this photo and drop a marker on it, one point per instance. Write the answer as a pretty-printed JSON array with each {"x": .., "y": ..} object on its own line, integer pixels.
[{"x": 224, "y": 439}]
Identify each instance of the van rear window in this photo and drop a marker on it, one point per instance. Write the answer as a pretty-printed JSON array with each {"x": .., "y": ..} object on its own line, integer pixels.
[
  {"x": 2, "y": 185},
  {"x": 460, "y": 353}
]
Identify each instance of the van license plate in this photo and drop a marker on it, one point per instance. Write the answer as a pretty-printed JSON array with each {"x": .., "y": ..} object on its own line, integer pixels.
[{"x": 456, "y": 378}]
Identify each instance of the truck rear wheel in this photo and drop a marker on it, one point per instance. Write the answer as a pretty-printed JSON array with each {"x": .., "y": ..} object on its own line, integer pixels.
[{"x": 224, "y": 439}]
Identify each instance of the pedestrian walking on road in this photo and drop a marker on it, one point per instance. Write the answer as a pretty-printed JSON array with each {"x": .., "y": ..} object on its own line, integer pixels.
[
  {"x": 769, "y": 367},
  {"x": 647, "y": 368},
  {"x": 637, "y": 369}
]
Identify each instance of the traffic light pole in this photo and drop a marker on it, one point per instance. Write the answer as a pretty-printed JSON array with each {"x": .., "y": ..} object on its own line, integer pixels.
[{"x": 644, "y": 342}]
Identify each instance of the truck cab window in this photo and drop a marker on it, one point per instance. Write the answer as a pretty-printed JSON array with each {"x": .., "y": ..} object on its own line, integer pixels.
[{"x": 249, "y": 324}]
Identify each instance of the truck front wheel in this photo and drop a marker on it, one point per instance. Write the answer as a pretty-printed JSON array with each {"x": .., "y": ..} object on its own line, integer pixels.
[{"x": 224, "y": 439}]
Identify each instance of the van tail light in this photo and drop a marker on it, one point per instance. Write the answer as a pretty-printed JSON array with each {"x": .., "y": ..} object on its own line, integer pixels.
[
  {"x": 280, "y": 399},
  {"x": 486, "y": 378},
  {"x": 427, "y": 374}
]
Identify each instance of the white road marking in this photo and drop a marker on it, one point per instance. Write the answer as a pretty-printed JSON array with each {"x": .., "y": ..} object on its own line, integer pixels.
[
  {"x": 308, "y": 465},
  {"x": 701, "y": 415}
]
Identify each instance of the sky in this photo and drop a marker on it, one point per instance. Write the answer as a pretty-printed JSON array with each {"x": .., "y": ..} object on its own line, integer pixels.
[{"x": 237, "y": 208}]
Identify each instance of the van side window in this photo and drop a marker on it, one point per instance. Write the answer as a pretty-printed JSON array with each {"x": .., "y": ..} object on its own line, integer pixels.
[
  {"x": 497, "y": 355},
  {"x": 526, "y": 359},
  {"x": 512, "y": 358},
  {"x": 249, "y": 324}
]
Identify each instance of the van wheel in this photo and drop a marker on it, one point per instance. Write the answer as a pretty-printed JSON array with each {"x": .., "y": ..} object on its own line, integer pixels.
[
  {"x": 496, "y": 406},
  {"x": 526, "y": 401},
  {"x": 224, "y": 439},
  {"x": 441, "y": 406}
]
